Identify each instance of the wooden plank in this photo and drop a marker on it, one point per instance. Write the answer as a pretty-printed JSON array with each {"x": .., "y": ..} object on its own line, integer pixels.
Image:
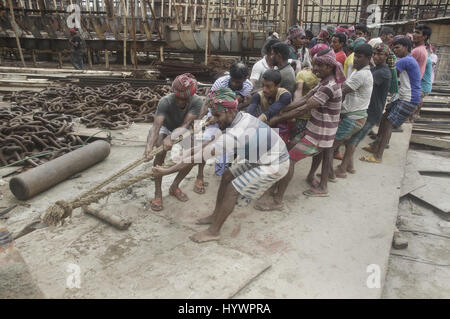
[
  {"x": 435, "y": 109},
  {"x": 431, "y": 141},
  {"x": 428, "y": 162},
  {"x": 19, "y": 89},
  {"x": 436, "y": 193},
  {"x": 412, "y": 180},
  {"x": 431, "y": 131}
]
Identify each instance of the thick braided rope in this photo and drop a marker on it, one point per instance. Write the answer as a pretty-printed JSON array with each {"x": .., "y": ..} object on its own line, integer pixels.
[
  {"x": 130, "y": 167},
  {"x": 113, "y": 177},
  {"x": 62, "y": 209}
]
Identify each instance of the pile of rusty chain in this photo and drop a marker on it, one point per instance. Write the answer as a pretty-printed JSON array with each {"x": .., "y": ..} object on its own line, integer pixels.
[
  {"x": 113, "y": 106},
  {"x": 40, "y": 135}
]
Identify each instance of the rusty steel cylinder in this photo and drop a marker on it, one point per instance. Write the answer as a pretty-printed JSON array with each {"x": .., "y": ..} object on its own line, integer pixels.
[{"x": 41, "y": 178}]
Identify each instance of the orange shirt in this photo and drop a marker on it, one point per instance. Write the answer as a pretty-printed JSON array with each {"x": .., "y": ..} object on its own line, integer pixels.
[{"x": 340, "y": 57}]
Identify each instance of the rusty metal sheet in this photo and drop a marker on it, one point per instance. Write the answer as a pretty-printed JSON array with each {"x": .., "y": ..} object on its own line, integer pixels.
[
  {"x": 200, "y": 38},
  {"x": 187, "y": 37},
  {"x": 97, "y": 28},
  {"x": 173, "y": 38},
  {"x": 214, "y": 38},
  {"x": 222, "y": 44}
]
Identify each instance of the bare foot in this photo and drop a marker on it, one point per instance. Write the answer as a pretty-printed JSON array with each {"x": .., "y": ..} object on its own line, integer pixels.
[
  {"x": 206, "y": 220},
  {"x": 268, "y": 205},
  {"x": 312, "y": 182},
  {"x": 351, "y": 170},
  {"x": 309, "y": 179},
  {"x": 204, "y": 236},
  {"x": 339, "y": 172}
]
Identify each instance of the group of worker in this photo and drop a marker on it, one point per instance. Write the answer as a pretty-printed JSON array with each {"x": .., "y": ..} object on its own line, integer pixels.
[{"x": 306, "y": 97}]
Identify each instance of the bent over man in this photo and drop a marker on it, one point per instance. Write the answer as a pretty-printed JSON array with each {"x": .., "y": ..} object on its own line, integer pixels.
[
  {"x": 176, "y": 110},
  {"x": 261, "y": 159}
]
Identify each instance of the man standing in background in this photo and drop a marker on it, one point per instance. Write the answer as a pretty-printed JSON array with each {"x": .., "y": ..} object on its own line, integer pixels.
[{"x": 77, "y": 53}]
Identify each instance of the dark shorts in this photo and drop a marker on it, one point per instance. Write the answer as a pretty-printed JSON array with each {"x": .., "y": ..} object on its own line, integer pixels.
[
  {"x": 348, "y": 127},
  {"x": 399, "y": 111}
]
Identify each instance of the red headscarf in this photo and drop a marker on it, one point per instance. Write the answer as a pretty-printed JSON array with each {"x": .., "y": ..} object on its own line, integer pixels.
[{"x": 184, "y": 85}]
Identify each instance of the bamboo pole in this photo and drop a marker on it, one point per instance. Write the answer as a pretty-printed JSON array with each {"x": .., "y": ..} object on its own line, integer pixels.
[
  {"x": 133, "y": 21},
  {"x": 143, "y": 11},
  {"x": 208, "y": 28},
  {"x": 191, "y": 13},
  {"x": 124, "y": 15},
  {"x": 195, "y": 12},
  {"x": 60, "y": 64},
  {"x": 89, "y": 52},
  {"x": 33, "y": 54},
  {"x": 13, "y": 20},
  {"x": 107, "y": 59}
]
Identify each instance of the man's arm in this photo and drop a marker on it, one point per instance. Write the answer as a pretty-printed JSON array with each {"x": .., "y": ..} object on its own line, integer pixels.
[
  {"x": 153, "y": 136},
  {"x": 204, "y": 109},
  {"x": 276, "y": 107},
  {"x": 253, "y": 107},
  {"x": 346, "y": 90},
  {"x": 298, "y": 102},
  {"x": 207, "y": 149},
  {"x": 299, "y": 92},
  {"x": 310, "y": 104},
  {"x": 243, "y": 101}
]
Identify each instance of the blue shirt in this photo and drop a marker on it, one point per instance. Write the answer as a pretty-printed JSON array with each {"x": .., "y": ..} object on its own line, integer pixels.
[
  {"x": 410, "y": 78},
  {"x": 426, "y": 79},
  {"x": 224, "y": 81}
]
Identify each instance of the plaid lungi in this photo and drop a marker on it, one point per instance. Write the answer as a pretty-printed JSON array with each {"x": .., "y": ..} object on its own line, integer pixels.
[
  {"x": 302, "y": 149},
  {"x": 399, "y": 111}
]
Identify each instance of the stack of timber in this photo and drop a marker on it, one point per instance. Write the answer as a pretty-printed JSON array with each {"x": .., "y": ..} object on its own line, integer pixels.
[
  {"x": 13, "y": 79},
  {"x": 433, "y": 126}
]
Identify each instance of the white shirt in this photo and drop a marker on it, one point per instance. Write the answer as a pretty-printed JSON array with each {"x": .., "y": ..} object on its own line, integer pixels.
[
  {"x": 257, "y": 72},
  {"x": 361, "y": 82}
]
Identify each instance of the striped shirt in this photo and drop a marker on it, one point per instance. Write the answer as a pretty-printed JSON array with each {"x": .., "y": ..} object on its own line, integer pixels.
[
  {"x": 322, "y": 126},
  {"x": 224, "y": 81}
]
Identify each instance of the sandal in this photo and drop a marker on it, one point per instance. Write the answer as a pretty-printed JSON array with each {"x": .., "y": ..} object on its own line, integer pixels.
[
  {"x": 368, "y": 149},
  {"x": 339, "y": 156},
  {"x": 199, "y": 187},
  {"x": 370, "y": 159},
  {"x": 182, "y": 197},
  {"x": 312, "y": 192},
  {"x": 156, "y": 204}
]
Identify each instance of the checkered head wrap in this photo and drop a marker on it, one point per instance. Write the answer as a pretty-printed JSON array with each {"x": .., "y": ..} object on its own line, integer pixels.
[
  {"x": 184, "y": 85},
  {"x": 222, "y": 99},
  {"x": 329, "y": 57},
  {"x": 317, "y": 48},
  {"x": 381, "y": 48},
  {"x": 295, "y": 31}
]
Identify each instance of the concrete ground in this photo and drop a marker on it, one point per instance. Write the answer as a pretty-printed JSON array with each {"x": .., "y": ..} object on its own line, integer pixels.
[
  {"x": 314, "y": 248},
  {"x": 422, "y": 270}
]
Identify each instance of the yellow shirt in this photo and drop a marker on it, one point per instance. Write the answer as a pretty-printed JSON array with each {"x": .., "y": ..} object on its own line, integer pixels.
[
  {"x": 309, "y": 80},
  {"x": 348, "y": 65}
]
